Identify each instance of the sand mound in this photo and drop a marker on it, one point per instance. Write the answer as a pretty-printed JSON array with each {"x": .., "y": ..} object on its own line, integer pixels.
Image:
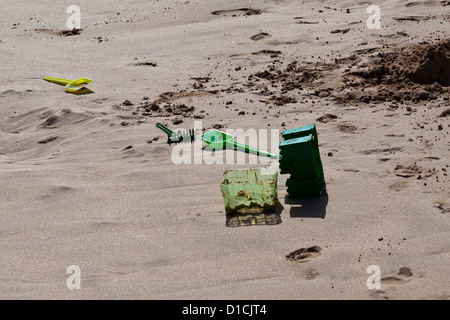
[
  {"x": 415, "y": 74},
  {"x": 422, "y": 64},
  {"x": 433, "y": 66}
]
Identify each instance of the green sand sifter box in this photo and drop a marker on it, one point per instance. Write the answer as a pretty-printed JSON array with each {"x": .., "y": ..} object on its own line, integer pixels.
[
  {"x": 250, "y": 190},
  {"x": 300, "y": 157}
]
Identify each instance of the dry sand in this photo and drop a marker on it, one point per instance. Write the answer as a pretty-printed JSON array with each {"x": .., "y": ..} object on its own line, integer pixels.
[{"x": 88, "y": 180}]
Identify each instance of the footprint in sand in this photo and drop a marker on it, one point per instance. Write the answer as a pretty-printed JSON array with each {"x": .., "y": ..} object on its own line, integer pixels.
[
  {"x": 47, "y": 140},
  {"x": 400, "y": 185},
  {"x": 61, "y": 33},
  {"x": 310, "y": 274},
  {"x": 403, "y": 275},
  {"x": 260, "y": 36},
  {"x": 344, "y": 126},
  {"x": 443, "y": 205},
  {"x": 237, "y": 12},
  {"x": 271, "y": 53},
  {"x": 409, "y": 173},
  {"x": 392, "y": 280},
  {"x": 411, "y": 18},
  {"x": 304, "y": 254},
  {"x": 347, "y": 128},
  {"x": 327, "y": 118},
  {"x": 145, "y": 63},
  {"x": 428, "y": 3}
]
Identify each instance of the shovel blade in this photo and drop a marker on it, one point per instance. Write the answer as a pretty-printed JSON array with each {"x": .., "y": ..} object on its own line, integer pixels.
[{"x": 77, "y": 84}]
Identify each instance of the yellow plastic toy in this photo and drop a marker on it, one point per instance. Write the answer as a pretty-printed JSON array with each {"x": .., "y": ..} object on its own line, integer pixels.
[{"x": 72, "y": 86}]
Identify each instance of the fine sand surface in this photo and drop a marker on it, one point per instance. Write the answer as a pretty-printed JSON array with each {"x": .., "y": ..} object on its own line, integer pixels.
[{"x": 88, "y": 180}]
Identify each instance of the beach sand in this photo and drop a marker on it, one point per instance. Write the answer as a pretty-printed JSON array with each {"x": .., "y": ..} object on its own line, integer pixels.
[{"x": 88, "y": 180}]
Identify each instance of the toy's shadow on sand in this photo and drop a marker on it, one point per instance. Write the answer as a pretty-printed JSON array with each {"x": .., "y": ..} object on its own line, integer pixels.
[
  {"x": 82, "y": 91},
  {"x": 255, "y": 219},
  {"x": 308, "y": 207}
]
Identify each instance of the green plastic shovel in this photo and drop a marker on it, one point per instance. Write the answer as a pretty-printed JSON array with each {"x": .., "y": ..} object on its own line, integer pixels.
[{"x": 222, "y": 140}]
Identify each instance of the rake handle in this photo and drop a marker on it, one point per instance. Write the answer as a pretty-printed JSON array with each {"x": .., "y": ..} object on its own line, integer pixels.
[
  {"x": 164, "y": 128},
  {"x": 249, "y": 149}
]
